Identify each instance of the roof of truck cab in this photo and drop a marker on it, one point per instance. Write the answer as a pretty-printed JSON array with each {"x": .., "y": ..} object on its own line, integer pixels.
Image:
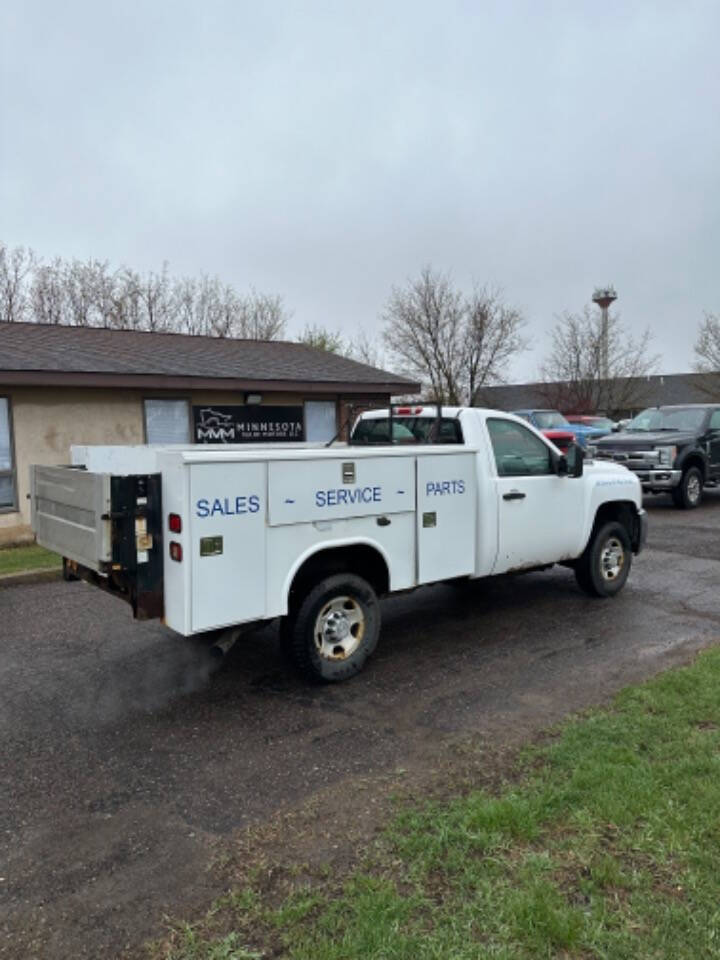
[{"x": 413, "y": 410}]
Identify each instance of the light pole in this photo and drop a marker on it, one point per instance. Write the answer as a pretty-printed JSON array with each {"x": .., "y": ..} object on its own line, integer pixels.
[{"x": 603, "y": 297}]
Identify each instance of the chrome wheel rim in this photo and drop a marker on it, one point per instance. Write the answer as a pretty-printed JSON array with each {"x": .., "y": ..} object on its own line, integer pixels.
[
  {"x": 693, "y": 488},
  {"x": 612, "y": 559},
  {"x": 339, "y": 628}
]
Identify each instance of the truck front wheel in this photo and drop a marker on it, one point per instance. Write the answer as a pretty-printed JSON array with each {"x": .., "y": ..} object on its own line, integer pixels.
[
  {"x": 604, "y": 566},
  {"x": 688, "y": 492},
  {"x": 334, "y": 629}
]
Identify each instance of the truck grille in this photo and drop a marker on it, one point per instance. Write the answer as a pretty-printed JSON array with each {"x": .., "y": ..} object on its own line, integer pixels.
[{"x": 632, "y": 459}]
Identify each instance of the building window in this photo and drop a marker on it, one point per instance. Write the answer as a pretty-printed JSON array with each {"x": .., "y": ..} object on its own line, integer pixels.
[
  {"x": 320, "y": 420},
  {"x": 7, "y": 479},
  {"x": 167, "y": 421}
]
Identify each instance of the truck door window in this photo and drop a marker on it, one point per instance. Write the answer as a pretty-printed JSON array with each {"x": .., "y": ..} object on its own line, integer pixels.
[
  {"x": 715, "y": 421},
  {"x": 518, "y": 452}
]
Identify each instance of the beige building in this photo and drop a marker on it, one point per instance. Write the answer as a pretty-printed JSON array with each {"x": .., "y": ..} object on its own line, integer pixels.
[{"x": 76, "y": 385}]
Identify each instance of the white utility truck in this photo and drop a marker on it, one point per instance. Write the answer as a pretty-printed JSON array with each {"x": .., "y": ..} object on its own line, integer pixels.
[{"x": 210, "y": 538}]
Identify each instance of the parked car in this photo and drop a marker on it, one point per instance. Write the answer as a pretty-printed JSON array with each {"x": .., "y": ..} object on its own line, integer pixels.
[
  {"x": 673, "y": 449},
  {"x": 554, "y": 420},
  {"x": 561, "y": 438},
  {"x": 600, "y": 423}
]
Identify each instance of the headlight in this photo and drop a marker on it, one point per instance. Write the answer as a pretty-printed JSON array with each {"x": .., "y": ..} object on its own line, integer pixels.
[{"x": 666, "y": 456}]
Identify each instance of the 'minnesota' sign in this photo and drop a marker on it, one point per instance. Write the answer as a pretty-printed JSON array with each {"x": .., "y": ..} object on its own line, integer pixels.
[{"x": 247, "y": 423}]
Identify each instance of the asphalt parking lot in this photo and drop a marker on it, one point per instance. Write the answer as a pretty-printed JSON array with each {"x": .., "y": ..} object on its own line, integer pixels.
[{"x": 123, "y": 759}]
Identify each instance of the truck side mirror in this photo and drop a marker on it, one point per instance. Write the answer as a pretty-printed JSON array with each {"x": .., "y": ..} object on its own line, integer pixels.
[
  {"x": 574, "y": 459},
  {"x": 561, "y": 465}
]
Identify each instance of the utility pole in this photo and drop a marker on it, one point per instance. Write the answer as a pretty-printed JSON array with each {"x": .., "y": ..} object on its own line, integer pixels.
[{"x": 603, "y": 297}]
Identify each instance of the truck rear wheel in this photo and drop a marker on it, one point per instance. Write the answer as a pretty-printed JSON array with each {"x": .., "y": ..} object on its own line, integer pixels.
[
  {"x": 334, "y": 629},
  {"x": 688, "y": 493},
  {"x": 604, "y": 566}
]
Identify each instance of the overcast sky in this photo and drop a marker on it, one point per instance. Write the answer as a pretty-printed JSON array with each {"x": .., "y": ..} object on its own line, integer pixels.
[{"x": 326, "y": 151}]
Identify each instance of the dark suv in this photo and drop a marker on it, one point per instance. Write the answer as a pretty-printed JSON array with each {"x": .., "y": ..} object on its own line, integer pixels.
[{"x": 672, "y": 450}]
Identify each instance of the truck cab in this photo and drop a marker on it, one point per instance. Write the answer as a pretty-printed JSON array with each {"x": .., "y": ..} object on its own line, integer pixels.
[{"x": 671, "y": 449}]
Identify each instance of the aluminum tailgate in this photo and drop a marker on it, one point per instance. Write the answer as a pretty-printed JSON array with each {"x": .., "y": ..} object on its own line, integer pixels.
[{"x": 70, "y": 513}]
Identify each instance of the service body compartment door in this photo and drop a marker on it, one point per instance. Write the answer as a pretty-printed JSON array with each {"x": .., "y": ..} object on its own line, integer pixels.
[
  {"x": 227, "y": 544},
  {"x": 446, "y": 516},
  {"x": 306, "y": 491}
]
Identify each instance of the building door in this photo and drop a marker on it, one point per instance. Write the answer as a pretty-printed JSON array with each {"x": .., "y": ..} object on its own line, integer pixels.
[{"x": 320, "y": 420}]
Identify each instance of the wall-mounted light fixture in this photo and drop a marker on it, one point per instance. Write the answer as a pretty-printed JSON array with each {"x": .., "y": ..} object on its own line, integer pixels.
[{"x": 253, "y": 398}]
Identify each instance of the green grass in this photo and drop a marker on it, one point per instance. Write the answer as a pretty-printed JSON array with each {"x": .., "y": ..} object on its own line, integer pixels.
[
  {"x": 606, "y": 844},
  {"x": 32, "y": 557}
]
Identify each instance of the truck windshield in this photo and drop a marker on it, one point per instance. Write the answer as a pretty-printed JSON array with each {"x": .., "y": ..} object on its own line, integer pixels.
[
  {"x": 405, "y": 430},
  {"x": 667, "y": 418}
]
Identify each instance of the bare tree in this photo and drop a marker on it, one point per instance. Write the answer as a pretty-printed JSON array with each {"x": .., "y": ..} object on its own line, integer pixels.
[
  {"x": 263, "y": 317},
  {"x": 707, "y": 353},
  {"x": 365, "y": 349},
  {"x": 454, "y": 344},
  {"x": 91, "y": 293},
  {"x": 129, "y": 307},
  {"x": 226, "y": 312},
  {"x": 492, "y": 338},
  {"x": 48, "y": 295},
  {"x": 15, "y": 267},
  {"x": 321, "y": 338},
  {"x": 103, "y": 291},
  {"x": 573, "y": 368},
  {"x": 155, "y": 299}
]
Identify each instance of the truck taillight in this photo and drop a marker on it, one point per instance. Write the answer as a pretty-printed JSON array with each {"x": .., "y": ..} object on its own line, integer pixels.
[
  {"x": 175, "y": 551},
  {"x": 175, "y": 523}
]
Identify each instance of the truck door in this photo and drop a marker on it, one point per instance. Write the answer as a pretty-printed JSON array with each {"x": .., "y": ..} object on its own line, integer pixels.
[
  {"x": 539, "y": 513},
  {"x": 446, "y": 516}
]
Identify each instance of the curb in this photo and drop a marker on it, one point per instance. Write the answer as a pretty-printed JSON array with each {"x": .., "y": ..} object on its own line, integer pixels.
[{"x": 30, "y": 576}]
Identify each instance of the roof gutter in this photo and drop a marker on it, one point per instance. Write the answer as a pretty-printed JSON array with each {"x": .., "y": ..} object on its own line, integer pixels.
[{"x": 42, "y": 378}]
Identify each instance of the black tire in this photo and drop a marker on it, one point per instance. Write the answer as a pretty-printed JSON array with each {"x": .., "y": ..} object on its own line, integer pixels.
[
  {"x": 688, "y": 493},
  {"x": 604, "y": 566},
  {"x": 343, "y": 608}
]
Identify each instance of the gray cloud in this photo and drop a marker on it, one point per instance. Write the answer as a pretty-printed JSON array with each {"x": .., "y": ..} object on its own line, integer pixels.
[{"x": 326, "y": 151}]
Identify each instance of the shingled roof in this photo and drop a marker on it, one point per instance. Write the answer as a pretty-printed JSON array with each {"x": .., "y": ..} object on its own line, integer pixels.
[
  {"x": 655, "y": 390},
  {"x": 58, "y": 355}
]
